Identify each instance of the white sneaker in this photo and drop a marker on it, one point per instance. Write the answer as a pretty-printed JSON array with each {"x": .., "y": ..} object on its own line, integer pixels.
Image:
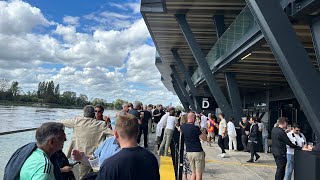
[
  {"x": 223, "y": 155},
  {"x": 219, "y": 155}
]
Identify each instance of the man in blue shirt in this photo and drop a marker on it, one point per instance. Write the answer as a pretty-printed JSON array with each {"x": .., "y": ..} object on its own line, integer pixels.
[{"x": 107, "y": 149}]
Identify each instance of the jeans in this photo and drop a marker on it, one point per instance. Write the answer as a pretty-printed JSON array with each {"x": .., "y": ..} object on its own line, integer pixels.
[
  {"x": 221, "y": 143},
  {"x": 253, "y": 150},
  {"x": 290, "y": 161},
  {"x": 232, "y": 140},
  {"x": 281, "y": 162},
  {"x": 265, "y": 143},
  {"x": 166, "y": 141},
  {"x": 244, "y": 140},
  {"x": 143, "y": 128},
  {"x": 150, "y": 126}
]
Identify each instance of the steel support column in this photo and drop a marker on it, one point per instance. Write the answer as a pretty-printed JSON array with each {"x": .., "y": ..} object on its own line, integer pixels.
[
  {"x": 207, "y": 91},
  {"x": 190, "y": 70},
  {"x": 315, "y": 31},
  {"x": 203, "y": 64},
  {"x": 186, "y": 75},
  {"x": 176, "y": 80},
  {"x": 180, "y": 96},
  {"x": 220, "y": 26},
  {"x": 234, "y": 96},
  {"x": 291, "y": 56}
]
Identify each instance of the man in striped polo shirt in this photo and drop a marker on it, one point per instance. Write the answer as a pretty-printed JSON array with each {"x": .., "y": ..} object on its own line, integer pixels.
[{"x": 50, "y": 138}]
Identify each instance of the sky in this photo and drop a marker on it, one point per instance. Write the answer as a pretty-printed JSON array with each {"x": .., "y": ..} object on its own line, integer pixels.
[{"x": 99, "y": 48}]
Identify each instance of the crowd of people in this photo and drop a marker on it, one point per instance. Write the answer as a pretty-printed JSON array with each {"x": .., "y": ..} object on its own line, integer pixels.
[{"x": 117, "y": 150}]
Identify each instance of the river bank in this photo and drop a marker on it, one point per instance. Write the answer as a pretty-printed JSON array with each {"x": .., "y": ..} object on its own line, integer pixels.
[{"x": 44, "y": 105}]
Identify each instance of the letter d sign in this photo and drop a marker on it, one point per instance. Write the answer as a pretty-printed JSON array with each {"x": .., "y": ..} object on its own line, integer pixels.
[{"x": 205, "y": 103}]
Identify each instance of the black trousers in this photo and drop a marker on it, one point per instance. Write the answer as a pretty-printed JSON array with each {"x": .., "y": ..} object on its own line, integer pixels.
[
  {"x": 244, "y": 141},
  {"x": 253, "y": 149},
  {"x": 221, "y": 143},
  {"x": 143, "y": 128},
  {"x": 281, "y": 162}
]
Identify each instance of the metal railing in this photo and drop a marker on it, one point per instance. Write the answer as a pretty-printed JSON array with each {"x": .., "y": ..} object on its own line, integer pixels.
[{"x": 17, "y": 131}]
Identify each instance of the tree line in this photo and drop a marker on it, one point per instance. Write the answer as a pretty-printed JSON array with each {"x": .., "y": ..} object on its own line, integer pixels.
[{"x": 49, "y": 93}]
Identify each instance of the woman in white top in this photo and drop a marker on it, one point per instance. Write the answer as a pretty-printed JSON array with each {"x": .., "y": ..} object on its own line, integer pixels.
[
  {"x": 232, "y": 134},
  {"x": 168, "y": 132}
]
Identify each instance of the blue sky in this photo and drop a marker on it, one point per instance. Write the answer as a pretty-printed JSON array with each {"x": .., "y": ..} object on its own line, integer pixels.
[{"x": 99, "y": 48}]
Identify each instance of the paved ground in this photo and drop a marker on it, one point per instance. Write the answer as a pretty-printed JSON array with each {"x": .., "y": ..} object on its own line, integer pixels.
[{"x": 234, "y": 166}]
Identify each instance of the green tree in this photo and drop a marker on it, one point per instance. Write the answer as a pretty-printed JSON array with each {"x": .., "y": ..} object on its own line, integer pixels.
[
  {"x": 41, "y": 89},
  {"x": 96, "y": 101},
  {"x": 117, "y": 104},
  {"x": 68, "y": 98},
  {"x": 15, "y": 89},
  {"x": 82, "y": 100}
]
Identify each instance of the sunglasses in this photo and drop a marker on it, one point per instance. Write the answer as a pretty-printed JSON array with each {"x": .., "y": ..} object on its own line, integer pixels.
[{"x": 98, "y": 111}]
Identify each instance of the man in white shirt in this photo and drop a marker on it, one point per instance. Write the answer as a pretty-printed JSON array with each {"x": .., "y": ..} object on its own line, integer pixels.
[
  {"x": 160, "y": 128},
  {"x": 203, "y": 123},
  {"x": 168, "y": 132},
  {"x": 298, "y": 139},
  {"x": 263, "y": 129},
  {"x": 222, "y": 134},
  {"x": 232, "y": 134}
]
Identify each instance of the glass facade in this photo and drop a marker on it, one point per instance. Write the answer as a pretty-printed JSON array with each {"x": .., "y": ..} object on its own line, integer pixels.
[{"x": 243, "y": 27}]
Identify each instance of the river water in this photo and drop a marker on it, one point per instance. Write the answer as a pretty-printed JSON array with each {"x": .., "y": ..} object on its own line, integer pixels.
[{"x": 21, "y": 117}]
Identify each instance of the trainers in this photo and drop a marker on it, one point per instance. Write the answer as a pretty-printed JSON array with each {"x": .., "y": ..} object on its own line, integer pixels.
[
  {"x": 223, "y": 155},
  {"x": 219, "y": 155},
  {"x": 257, "y": 157},
  {"x": 250, "y": 161}
]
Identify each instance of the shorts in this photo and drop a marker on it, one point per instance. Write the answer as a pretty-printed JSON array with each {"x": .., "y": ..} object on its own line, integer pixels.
[
  {"x": 210, "y": 135},
  {"x": 204, "y": 130},
  {"x": 197, "y": 161}
]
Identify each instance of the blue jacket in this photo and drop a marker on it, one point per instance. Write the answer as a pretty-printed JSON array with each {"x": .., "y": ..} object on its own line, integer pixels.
[{"x": 13, "y": 167}]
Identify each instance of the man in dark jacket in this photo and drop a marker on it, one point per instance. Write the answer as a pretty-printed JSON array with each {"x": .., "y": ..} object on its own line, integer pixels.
[
  {"x": 25, "y": 162},
  {"x": 279, "y": 149},
  {"x": 253, "y": 139}
]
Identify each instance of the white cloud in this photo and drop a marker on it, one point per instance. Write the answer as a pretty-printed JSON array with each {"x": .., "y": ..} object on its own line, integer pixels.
[
  {"x": 108, "y": 14},
  {"x": 134, "y": 7},
  {"x": 19, "y": 17},
  {"x": 104, "y": 63},
  {"x": 71, "y": 20},
  {"x": 141, "y": 66}
]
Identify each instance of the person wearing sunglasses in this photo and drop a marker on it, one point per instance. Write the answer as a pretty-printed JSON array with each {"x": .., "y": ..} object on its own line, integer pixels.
[{"x": 98, "y": 114}]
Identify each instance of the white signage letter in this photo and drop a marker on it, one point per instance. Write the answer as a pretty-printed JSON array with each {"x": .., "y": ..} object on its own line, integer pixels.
[{"x": 205, "y": 103}]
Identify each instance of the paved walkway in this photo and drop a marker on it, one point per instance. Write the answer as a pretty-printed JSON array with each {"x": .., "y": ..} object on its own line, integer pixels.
[{"x": 233, "y": 166}]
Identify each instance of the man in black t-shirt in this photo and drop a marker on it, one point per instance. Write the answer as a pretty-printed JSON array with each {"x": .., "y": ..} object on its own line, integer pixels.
[
  {"x": 245, "y": 128},
  {"x": 157, "y": 114},
  {"x": 146, "y": 117},
  {"x": 135, "y": 110},
  {"x": 131, "y": 162},
  {"x": 195, "y": 153}
]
